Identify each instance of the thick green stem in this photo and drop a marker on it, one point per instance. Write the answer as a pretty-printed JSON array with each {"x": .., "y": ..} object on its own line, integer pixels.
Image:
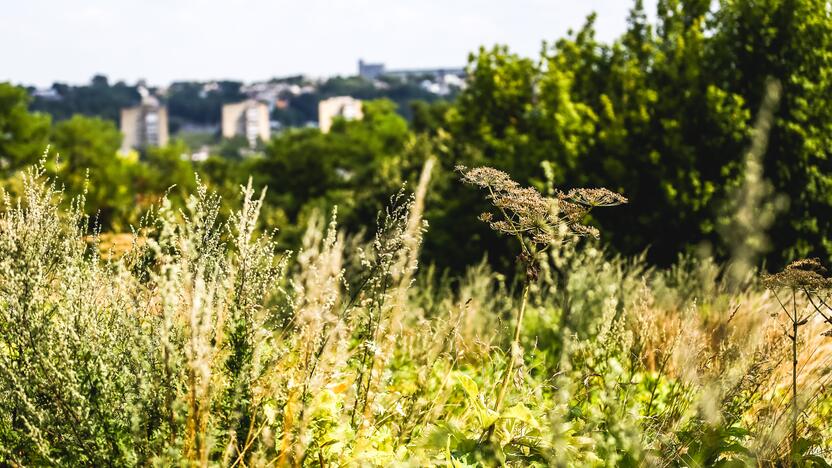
[{"x": 515, "y": 349}]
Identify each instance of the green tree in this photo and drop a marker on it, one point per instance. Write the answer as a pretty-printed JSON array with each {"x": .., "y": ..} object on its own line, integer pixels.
[
  {"x": 167, "y": 170},
  {"x": 99, "y": 99},
  {"x": 357, "y": 165},
  {"x": 189, "y": 102},
  {"x": 23, "y": 135},
  {"x": 89, "y": 164},
  {"x": 663, "y": 115},
  {"x": 665, "y": 133},
  {"x": 790, "y": 40}
]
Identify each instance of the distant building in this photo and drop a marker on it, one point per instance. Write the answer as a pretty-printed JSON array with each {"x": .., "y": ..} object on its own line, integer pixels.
[
  {"x": 443, "y": 85},
  {"x": 201, "y": 154},
  {"x": 47, "y": 94},
  {"x": 432, "y": 73},
  {"x": 345, "y": 107},
  {"x": 249, "y": 118},
  {"x": 144, "y": 125},
  {"x": 373, "y": 71},
  {"x": 370, "y": 71}
]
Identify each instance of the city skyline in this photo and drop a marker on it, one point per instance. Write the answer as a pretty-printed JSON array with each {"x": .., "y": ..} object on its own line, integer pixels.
[{"x": 182, "y": 40}]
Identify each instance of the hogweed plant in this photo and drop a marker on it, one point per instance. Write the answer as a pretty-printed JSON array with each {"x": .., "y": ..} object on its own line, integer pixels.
[
  {"x": 538, "y": 223},
  {"x": 806, "y": 278}
]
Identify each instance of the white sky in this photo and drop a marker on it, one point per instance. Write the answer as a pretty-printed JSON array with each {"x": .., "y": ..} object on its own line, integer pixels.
[{"x": 42, "y": 41}]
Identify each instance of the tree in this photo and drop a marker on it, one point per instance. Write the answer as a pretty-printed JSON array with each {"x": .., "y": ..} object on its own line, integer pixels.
[
  {"x": 23, "y": 135},
  {"x": 357, "y": 165},
  {"x": 189, "y": 102},
  {"x": 666, "y": 133},
  {"x": 98, "y": 99},
  {"x": 89, "y": 165},
  {"x": 663, "y": 115},
  {"x": 167, "y": 170},
  {"x": 791, "y": 41}
]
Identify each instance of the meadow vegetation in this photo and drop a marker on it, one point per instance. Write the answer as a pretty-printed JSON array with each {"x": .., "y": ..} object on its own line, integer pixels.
[{"x": 206, "y": 343}]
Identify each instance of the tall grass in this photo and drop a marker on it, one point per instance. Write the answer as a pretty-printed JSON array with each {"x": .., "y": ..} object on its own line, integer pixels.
[{"x": 208, "y": 344}]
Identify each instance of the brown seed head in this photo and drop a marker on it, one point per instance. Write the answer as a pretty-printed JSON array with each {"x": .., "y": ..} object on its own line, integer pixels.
[
  {"x": 801, "y": 274},
  {"x": 523, "y": 211},
  {"x": 487, "y": 177},
  {"x": 596, "y": 197}
]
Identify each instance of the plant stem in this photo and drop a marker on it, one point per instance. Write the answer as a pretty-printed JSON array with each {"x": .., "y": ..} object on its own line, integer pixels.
[
  {"x": 515, "y": 348},
  {"x": 795, "y": 324}
]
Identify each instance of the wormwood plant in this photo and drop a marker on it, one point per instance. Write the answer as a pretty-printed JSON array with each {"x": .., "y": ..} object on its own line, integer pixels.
[{"x": 538, "y": 223}]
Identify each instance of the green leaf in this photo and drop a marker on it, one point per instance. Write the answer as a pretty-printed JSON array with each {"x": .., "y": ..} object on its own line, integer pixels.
[
  {"x": 521, "y": 413},
  {"x": 468, "y": 384}
]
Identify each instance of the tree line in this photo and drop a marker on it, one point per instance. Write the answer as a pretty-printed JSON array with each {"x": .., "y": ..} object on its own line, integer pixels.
[{"x": 662, "y": 114}]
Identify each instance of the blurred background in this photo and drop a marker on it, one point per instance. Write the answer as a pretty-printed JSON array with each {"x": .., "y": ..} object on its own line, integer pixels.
[{"x": 340, "y": 103}]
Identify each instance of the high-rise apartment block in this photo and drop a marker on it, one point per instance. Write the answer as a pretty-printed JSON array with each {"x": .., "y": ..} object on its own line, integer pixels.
[
  {"x": 345, "y": 107},
  {"x": 370, "y": 71},
  {"x": 249, "y": 118},
  {"x": 144, "y": 125}
]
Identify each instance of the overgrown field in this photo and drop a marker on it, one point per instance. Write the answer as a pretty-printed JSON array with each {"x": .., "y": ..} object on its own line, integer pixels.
[{"x": 206, "y": 343}]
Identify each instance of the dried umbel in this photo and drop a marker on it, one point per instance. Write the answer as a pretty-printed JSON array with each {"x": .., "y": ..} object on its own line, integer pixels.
[
  {"x": 596, "y": 197},
  {"x": 805, "y": 274},
  {"x": 805, "y": 277},
  {"x": 535, "y": 219},
  {"x": 537, "y": 222},
  {"x": 487, "y": 177}
]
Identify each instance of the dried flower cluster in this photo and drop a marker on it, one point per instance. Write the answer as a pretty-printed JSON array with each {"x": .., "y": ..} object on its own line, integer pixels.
[
  {"x": 596, "y": 197},
  {"x": 524, "y": 212},
  {"x": 805, "y": 278},
  {"x": 805, "y": 274},
  {"x": 537, "y": 222}
]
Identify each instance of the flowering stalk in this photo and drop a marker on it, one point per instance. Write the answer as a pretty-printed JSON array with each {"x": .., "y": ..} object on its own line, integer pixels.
[
  {"x": 806, "y": 276},
  {"x": 515, "y": 348},
  {"x": 537, "y": 222}
]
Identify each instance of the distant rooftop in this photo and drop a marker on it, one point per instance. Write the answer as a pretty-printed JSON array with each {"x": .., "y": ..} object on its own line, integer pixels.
[{"x": 373, "y": 71}]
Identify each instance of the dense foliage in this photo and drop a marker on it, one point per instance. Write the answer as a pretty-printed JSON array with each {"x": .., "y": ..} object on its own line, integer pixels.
[
  {"x": 663, "y": 114},
  {"x": 98, "y": 99},
  {"x": 23, "y": 135},
  {"x": 188, "y": 103}
]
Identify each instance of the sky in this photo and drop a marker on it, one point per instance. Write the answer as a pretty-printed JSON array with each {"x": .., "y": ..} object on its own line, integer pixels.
[{"x": 42, "y": 41}]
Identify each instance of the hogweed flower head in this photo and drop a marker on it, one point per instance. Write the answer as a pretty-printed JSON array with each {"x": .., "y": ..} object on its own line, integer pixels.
[
  {"x": 537, "y": 222},
  {"x": 534, "y": 218},
  {"x": 487, "y": 177},
  {"x": 806, "y": 274},
  {"x": 596, "y": 197}
]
